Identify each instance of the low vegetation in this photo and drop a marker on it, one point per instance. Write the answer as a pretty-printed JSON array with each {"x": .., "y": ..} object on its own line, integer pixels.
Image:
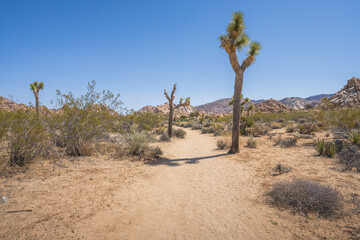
[{"x": 304, "y": 197}]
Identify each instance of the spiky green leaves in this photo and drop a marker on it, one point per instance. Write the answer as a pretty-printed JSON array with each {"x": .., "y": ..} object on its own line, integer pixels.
[
  {"x": 254, "y": 48},
  {"x": 242, "y": 41},
  {"x": 36, "y": 86},
  {"x": 237, "y": 25}
]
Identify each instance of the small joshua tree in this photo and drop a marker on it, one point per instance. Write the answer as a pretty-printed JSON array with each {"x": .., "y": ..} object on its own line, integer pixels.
[
  {"x": 172, "y": 107},
  {"x": 250, "y": 107},
  {"x": 235, "y": 39},
  {"x": 36, "y": 87}
]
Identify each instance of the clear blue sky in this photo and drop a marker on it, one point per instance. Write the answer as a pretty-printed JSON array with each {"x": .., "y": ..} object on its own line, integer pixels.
[{"x": 138, "y": 48}]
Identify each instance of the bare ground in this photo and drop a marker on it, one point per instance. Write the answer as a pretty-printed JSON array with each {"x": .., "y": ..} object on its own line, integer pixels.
[{"x": 197, "y": 192}]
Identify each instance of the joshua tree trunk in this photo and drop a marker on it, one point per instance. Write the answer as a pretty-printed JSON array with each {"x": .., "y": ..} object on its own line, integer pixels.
[
  {"x": 171, "y": 118},
  {"x": 237, "y": 112},
  {"x": 37, "y": 104},
  {"x": 239, "y": 77}
]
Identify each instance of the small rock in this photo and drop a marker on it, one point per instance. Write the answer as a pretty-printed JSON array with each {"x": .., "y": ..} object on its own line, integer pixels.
[{"x": 4, "y": 199}]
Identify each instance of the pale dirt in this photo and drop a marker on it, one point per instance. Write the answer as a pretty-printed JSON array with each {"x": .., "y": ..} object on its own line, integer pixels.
[{"x": 198, "y": 192}]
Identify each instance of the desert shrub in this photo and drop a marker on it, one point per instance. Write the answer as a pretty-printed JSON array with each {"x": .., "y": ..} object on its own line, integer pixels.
[
  {"x": 276, "y": 125},
  {"x": 197, "y": 126},
  {"x": 354, "y": 136},
  {"x": 319, "y": 145},
  {"x": 179, "y": 133},
  {"x": 342, "y": 119},
  {"x": 303, "y": 196},
  {"x": 223, "y": 143},
  {"x": 330, "y": 149},
  {"x": 280, "y": 169},
  {"x": 217, "y": 133},
  {"x": 257, "y": 130},
  {"x": 307, "y": 128},
  {"x": 290, "y": 128},
  {"x": 287, "y": 142},
  {"x": 251, "y": 143},
  {"x": 340, "y": 145},
  {"x": 84, "y": 120},
  {"x": 164, "y": 137},
  {"x": 349, "y": 157},
  {"x": 207, "y": 124},
  {"x": 205, "y": 130},
  {"x": 137, "y": 144},
  {"x": 27, "y": 137},
  {"x": 148, "y": 121}
]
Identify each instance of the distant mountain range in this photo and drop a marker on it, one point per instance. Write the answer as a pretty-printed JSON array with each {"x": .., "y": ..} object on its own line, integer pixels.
[{"x": 222, "y": 106}]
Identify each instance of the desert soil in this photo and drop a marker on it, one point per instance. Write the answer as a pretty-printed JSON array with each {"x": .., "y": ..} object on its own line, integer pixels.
[{"x": 196, "y": 192}]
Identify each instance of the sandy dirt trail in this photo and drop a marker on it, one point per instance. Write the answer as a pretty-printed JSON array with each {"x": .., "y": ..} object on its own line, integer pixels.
[{"x": 197, "y": 193}]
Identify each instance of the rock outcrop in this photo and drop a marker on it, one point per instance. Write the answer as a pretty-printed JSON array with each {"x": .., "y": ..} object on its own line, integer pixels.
[
  {"x": 270, "y": 106},
  {"x": 9, "y": 105},
  {"x": 349, "y": 95},
  {"x": 164, "y": 108}
]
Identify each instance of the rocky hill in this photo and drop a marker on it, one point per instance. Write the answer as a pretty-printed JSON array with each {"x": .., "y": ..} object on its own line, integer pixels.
[
  {"x": 271, "y": 106},
  {"x": 9, "y": 105},
  {"x": 222, "y": 106},
  {"x": 164, "y": 108},
  {"x": 349, "y": 95}
]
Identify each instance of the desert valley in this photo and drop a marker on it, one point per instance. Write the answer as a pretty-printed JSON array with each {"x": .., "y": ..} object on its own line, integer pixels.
[{"x": 87, "y": 167}]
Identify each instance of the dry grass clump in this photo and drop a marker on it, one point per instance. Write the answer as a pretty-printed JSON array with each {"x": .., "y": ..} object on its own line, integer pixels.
[
  {"x": 280, "y": 169},
  {"x": 164, "y": 137},
  {"x": 303, "y": 196},
  {"x": 251, "y": 142},
  {"x": 308, "y": 128},
  {"x": 354, "y": 136},
  {"x": 287, "y": 142},
  {"x": 223, "y": 143},
  {"x": 179, "y": 133},
  {"x": 349, "y": 157},
  {"x": 276, "y": 125}
]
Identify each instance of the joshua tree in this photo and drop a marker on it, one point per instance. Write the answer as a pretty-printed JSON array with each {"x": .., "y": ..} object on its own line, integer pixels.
[
  {"x": 250, "y": 107},
  {"x": 36, "y": 87},
  {"x": 234, "y": 39},
  {"x": 172, "y": 107}
]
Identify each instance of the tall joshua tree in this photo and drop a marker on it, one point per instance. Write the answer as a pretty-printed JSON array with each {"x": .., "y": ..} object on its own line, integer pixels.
[
  {"x": 36, "y": 87},
  {"x": 172, "y": 107},
  {"x": 234, "y": 39}
]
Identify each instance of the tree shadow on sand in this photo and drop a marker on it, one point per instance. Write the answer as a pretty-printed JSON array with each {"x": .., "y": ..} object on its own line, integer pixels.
[{"x": 180, "y": 161}]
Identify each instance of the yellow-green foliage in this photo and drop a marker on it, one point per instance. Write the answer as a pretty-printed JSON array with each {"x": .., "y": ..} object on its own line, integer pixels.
[
  {"x": 84, "y": 120},
  {"x": 344, "y": 119},
  {"x": 26, "y": 137},
  {"x": 271, "y": 117},
  {"x": 149, "y": 121}
]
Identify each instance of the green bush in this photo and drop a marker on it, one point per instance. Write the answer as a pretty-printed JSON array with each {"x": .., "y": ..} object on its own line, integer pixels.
[
  {"x": 319, "y": 145},
  {"x": 197, "y": 127},
  {"x": 330, "y": 149},
  {"x": 307, "y": 128},
  {"x": 290, "y": 128},
  {"x": 27, "y": 137},
  {"x": 354, "y": 136},
  {"x": 138, "y": 144},
  {"x": 84, "y": 120},
  {"x": 179, "y": 133}
]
